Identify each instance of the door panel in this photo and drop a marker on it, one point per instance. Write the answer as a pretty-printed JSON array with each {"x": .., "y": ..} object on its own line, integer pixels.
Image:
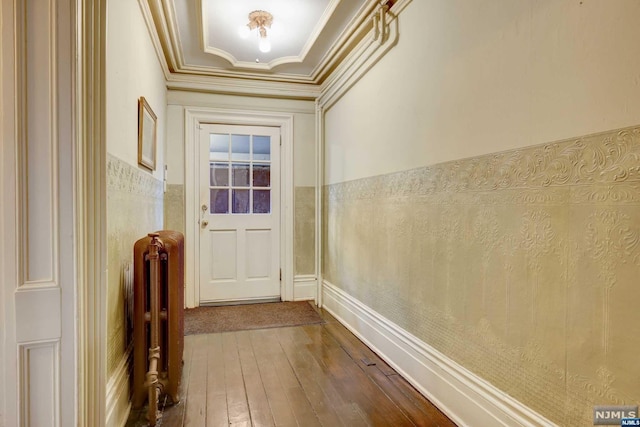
[
  {"x": 223, "y": 254},
  {"x": 258, "y": 254},
  {"x": 240, "y": 213}
]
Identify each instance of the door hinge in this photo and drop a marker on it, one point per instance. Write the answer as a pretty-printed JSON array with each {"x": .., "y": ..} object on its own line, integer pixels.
[{"x": 281, "y": 275}]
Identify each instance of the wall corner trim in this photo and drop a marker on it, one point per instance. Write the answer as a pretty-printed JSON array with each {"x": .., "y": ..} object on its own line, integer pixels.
[
  {"x": 118, "y": 405},
  {"x": 463, "y": 396},
  {"x": 382, "y": 37}
]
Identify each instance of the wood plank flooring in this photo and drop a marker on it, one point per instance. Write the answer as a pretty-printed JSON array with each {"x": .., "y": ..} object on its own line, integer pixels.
[{"x": 315, "y": 375}]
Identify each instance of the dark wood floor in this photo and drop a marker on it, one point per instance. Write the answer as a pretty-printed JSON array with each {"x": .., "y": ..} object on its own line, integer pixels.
[{"x": 316, "y": 375}]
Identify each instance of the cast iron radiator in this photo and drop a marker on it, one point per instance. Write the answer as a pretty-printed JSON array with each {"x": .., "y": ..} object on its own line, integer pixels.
[{"x": 158, "y": 324}]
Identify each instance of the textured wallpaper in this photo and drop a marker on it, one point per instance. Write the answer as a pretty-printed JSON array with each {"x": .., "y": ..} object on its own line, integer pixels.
[
  {"x": 305, "y": 230},
  {"x": 174, "y": 208},
  {"x": 134, "y": 208},
  {"x": 523, "y": 266}
]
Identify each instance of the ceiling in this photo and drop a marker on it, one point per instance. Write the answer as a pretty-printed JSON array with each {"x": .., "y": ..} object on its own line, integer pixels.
[{"x": 200, "y": 38}]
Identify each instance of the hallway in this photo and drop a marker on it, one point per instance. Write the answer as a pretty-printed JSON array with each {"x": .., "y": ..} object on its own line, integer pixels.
[{"x": 314, "y": 375}]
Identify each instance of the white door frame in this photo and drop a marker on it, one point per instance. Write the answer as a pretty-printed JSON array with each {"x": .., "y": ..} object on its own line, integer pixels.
[{"x": 194, "y": 117}]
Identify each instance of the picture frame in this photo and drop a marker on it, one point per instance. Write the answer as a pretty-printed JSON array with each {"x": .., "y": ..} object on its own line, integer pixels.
[{"x": 146, "y": 135}]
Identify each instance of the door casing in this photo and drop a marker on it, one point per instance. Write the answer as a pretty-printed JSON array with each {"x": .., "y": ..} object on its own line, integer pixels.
[{"x": 194, "y": 118}]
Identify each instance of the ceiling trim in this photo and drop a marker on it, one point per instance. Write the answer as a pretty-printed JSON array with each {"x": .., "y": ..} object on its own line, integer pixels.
[
  {"x": 357, "y": 50},
  {"x": 380, "y": 40},
  {"x": 163, "y": 16},
  {"x": 155, "y": 39}
]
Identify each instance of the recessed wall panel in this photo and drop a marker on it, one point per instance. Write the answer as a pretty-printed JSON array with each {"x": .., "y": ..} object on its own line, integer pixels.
[
  {"x": 40, "y": 384},
  {"x": 38, "y": 135},
  {"x": 223, "y": 255}
]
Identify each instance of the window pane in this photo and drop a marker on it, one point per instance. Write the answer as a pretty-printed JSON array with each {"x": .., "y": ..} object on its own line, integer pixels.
[
  {"x": 261, "y": 147},
  {"x": 240, "y": 201},
  {"x": 261, "y": 201},
  {"x": 219, "y": 174},
  {"x": 239, "y": 147},
  {"x": 219, "y": 202},
  {"x": 218, "y": 146},
  {"x": 261, "y": 175},
  {"x": 241, "y": 175}
]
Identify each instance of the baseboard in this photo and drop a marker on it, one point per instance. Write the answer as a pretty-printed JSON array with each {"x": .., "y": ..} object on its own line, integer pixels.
[
  {"x": 464, "y": 397},
  {"x": 305, "y": 287},
  {"x": 118, "y": 403}
]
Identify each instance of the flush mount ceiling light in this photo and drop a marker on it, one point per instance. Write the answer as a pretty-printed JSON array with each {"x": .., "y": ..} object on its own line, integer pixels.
[{"x": 259, "y": 21}]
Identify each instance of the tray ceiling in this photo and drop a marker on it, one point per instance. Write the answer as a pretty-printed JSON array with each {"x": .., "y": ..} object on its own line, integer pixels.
[{"x": 308, "y": 37}]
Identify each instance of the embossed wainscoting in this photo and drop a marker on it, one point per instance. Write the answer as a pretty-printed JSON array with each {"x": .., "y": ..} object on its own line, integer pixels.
[
  {"x": 304, "y": 230},
  {"x": 174, "y": 208},
  {"x": 521, "y": 267},
  {"x": 134, "y": 208}
]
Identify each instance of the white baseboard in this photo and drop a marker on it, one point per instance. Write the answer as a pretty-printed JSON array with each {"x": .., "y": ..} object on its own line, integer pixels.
[
  {"x": 118, "y": 403},
  {"x": 464, "y": 397},
  {"x": 305, "y": 287}
]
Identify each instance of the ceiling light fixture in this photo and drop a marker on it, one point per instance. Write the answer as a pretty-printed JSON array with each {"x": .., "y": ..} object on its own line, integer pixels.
[{"x": 259, "y": 21}]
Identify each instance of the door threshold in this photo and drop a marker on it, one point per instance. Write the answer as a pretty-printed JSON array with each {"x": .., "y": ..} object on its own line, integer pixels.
[{"x": 239, "y": 302}]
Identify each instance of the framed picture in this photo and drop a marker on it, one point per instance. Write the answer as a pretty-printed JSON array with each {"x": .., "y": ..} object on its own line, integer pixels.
[{"x": 146, "y": 135}]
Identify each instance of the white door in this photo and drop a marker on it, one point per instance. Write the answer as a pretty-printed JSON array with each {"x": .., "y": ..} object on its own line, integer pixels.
[{"x": 239, "y": 171}]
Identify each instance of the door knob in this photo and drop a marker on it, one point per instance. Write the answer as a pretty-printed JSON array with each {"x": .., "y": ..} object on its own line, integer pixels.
[{"x": 204, "y": 224}]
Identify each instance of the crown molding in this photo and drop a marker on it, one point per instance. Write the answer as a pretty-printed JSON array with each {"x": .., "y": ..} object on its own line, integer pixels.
[
  {"x": 238, "y": 86},
  {"x": 160, "y": 16},
  {"x": 369, "y": 35},
  {"x": 382, "y": 37}
]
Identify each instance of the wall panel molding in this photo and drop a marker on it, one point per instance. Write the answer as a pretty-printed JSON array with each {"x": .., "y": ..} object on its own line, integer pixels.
[
  {"x": 37, "y": 131},
  {"x": 40, "y": 288},
  {"x": 39, "y": 368}
]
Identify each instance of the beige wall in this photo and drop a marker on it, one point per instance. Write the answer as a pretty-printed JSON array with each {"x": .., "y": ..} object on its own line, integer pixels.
[
  {"x": 134, "y": 194},
  {"x": 475, "y": 77},
  {"x": 303, "y": 169},
  {"x": 519, "y": 265}
]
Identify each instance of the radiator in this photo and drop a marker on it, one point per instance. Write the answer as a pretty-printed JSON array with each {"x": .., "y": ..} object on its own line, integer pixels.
[{"x": 158, "y": 324}]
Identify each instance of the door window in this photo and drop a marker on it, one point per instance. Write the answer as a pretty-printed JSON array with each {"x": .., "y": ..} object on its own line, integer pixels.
[{"x": 240, "y": 174}]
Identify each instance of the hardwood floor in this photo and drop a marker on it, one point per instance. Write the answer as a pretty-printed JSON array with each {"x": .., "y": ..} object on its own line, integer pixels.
[{"x": 315, "y": 375}]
